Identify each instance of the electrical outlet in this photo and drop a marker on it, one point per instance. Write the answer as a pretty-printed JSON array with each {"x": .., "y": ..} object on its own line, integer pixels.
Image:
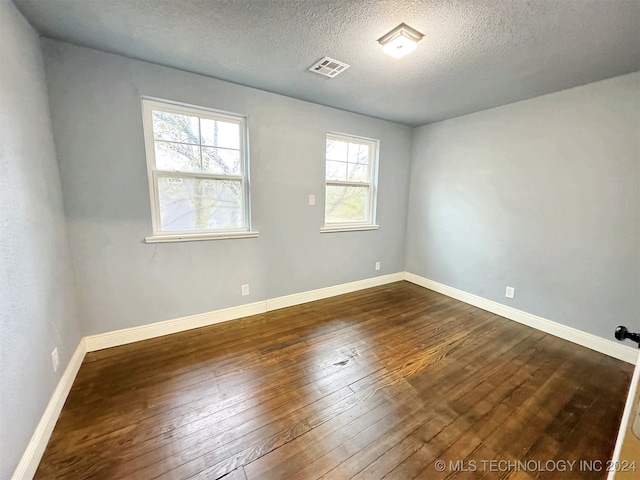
[
  {"x": 509, "y": 292},
  {"x": 245, "y": 289},
  {"x": 55, "y": 359},
  {"x": 312, "y": 199},
  {"x": 377, "y": 265}
]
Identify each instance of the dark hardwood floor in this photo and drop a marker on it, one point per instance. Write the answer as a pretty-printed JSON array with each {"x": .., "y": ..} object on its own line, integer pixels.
[{"x": 381, "y": 383}]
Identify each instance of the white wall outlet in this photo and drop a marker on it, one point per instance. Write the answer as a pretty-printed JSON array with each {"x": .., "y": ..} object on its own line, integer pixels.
[
  {"x": 312, "y": 199},
  {"x": 55, "y": 359},
  {"x": 509, "y": 292},
  {"x": 377, "y": 265},
  {"x": 245, "y": 289}
]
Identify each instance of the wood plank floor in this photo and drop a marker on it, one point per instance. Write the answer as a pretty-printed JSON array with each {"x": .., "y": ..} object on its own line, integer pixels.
[{"x": 381, "y": 383}]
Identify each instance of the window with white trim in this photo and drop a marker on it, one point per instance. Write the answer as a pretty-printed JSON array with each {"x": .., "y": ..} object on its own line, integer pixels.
[
  {"x": 197, "y": 165},
  {"x": 350, "y": 189}
]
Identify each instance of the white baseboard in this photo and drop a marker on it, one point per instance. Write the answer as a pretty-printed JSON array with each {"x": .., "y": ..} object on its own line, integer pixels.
[
  {"x": 319, "y": 294},
  {"x": 152, "y": 330},
  {"x": 599, "y": 344},
  {"x": 158, "y": 329},
  {"x": 35, "y": 449}
]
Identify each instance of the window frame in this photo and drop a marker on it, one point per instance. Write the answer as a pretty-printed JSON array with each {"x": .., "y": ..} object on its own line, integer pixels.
[
  {"x": 149, "y": 104},
  {"x": 372, "y": 184}
]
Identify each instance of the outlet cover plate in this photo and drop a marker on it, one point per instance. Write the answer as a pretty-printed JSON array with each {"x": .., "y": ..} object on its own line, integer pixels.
[{"x": 55, "y": 359}]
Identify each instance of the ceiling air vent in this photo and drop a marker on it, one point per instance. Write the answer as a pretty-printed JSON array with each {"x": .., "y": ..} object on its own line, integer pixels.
[{"x": 329, "y": 67}]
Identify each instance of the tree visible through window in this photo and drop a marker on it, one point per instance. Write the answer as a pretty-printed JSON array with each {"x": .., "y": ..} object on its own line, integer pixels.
[
  {"x": 350, "y": 180},
  {"x": 197, "y": 169}
]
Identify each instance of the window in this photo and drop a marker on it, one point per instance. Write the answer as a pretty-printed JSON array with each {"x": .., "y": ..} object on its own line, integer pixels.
[
  {"x": 197, "y": 166},
  {"x": 350, "y": 191}
]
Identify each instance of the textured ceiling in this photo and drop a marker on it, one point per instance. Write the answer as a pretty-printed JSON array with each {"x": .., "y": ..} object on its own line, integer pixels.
[{"x": 476, "y": 54}]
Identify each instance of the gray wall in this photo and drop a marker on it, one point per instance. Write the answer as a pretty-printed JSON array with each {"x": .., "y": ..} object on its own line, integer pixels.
[
  {"x": 541, "y": 195},
  {"x": 37, "y": 298},
  {"x": 123, "y": 282}
]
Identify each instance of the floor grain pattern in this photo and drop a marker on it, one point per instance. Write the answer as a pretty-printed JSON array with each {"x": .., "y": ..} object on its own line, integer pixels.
[{"x": 382, "y": 383}]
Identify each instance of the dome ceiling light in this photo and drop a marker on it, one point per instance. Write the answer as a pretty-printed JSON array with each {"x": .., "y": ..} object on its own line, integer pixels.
[{"x": 400, "y": 41}]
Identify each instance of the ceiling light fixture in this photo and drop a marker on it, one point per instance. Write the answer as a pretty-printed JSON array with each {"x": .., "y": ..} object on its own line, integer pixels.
[{"x": 400, "y": 41}]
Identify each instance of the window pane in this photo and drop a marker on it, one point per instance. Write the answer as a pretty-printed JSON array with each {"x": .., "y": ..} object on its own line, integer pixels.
[
  {"x": 336, "y": 170},
  {"x": 358, "y": 153},
  {"x": 346, "y": 204},
  {"x": 177, "y": 157},
  {"x": 175, "y": 127},
  {"x": 220, "y": 134},
  {"x": 221, "y": 161},
  {"x": 199, "y": 204},
  {"x": 358, "y": 172},
  {"x": 336, "y": 150}
]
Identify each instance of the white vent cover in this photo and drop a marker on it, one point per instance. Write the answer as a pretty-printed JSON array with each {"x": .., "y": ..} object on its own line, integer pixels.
[{"x": 329, "y": 67}]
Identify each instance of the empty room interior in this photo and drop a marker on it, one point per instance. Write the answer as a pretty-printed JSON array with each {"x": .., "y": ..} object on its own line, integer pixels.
[{"x": 273, "y": 239}]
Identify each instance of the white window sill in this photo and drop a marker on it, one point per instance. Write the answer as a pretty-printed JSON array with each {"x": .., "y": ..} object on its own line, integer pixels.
[
  {"x": 193, "y": 237},
  {"x": 348, "y": 228}
]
